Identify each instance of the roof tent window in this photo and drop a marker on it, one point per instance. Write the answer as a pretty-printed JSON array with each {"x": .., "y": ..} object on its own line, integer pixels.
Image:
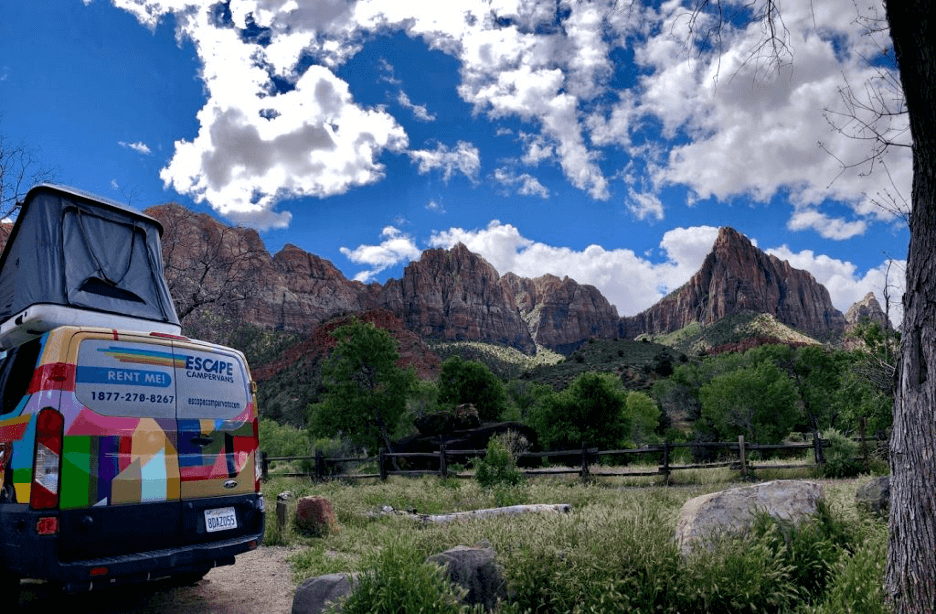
[{"x": 106, "y": 264}]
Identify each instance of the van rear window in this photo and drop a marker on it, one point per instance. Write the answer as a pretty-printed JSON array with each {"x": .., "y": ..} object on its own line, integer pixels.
[
  {"x": 210, "y": 385},
  {"x": 121, "y": 378}
]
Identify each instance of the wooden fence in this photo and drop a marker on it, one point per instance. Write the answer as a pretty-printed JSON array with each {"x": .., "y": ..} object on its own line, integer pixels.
[{"x": 583, "y": 461}]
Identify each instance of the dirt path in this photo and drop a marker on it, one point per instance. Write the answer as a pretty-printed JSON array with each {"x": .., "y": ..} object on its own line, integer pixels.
[{"x": 258, "y": 582}]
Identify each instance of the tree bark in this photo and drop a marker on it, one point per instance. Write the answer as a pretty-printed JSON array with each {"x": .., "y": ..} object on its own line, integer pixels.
[{"x": 910, "y": 580}]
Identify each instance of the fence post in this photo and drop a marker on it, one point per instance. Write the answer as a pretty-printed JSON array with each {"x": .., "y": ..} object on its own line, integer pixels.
[
  {"x": 264, "y": 466},
  {"x": 741, "y": 456},
  {"x": 319, "y": 466},
  {"x": 584, "y": 471},
  {"x": 443, "y": 463},
  {"x": 817, "y": 446},
  {"x": 665, "y": 470},
  {"x": 382, "y": 463},
  {"x": 282, "y": 506}
]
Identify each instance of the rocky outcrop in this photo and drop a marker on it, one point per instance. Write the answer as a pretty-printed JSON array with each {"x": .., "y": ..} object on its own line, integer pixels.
[
  {"x": 454, "y": 295},
  {"x": 867, "y": 309},
  {"x": 561, "y": 313},
  {"x": 733, "y": 511},
  {"x": 738, "y": 277}
]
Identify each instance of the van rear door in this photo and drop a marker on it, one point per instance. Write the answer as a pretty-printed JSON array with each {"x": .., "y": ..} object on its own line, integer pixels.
[{"x": 217, "y": 442}]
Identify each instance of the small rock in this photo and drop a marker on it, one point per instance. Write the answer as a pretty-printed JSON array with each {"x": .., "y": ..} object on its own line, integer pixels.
[
  {"x": 875, "y": 496},
  {"x": 475, "y": 569},
  {"x": 315, "y": 594},
  {"x": 316, "y": 516}
]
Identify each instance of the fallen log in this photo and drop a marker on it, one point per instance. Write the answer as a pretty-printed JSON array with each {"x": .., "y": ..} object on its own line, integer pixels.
[{"x": 513, "y": 510}]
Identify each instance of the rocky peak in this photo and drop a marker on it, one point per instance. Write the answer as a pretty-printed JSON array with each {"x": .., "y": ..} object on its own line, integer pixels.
[
  {"x": 561, "y": 313},
  {"x": 455, "y": 295},
  {"x": 867, "y": 310},
  {"x": 735, "y": 277}
]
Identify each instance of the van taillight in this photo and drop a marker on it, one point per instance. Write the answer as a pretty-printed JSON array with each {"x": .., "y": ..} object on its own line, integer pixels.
[
  {"x": 258, "y": 469},
  {"x": 44, "y": 493}
]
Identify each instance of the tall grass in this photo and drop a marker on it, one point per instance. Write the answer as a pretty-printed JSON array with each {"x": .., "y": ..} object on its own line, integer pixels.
[{"x": 613, "y": 553}]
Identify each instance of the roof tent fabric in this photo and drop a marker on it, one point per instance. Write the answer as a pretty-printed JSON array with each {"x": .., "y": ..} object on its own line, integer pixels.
[{"x": 73, "y": 249}]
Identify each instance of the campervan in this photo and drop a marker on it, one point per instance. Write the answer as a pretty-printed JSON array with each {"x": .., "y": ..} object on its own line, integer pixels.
[{"x": 128, "y": 452}]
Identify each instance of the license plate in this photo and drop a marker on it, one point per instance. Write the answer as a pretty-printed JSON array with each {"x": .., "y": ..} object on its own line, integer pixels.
[{"x": 221, "y": 519}]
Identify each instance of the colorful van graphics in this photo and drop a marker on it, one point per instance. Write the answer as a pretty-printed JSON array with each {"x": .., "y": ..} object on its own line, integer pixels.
[{"x": 131, "y": 443}]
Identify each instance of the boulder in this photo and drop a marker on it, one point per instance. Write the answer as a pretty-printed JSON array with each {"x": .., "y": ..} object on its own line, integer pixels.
[
  {"x": 315, "y": 594},
  {"x": 315, "y": 516},
  {"x": 733, "y": 511},
  {"x": 875, "y": 496},
  {"x": 475, "y": 569}
]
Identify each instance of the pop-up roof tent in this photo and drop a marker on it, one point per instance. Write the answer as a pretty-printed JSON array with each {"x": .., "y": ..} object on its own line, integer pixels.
[{"x": 73, "y": 258}]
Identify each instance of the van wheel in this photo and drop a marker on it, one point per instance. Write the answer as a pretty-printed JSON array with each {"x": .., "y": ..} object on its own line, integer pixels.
[{"x": 189, "y": 578}]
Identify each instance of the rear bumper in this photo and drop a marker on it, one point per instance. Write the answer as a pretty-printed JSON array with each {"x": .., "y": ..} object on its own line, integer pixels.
[{"x": 30, "y": 555}]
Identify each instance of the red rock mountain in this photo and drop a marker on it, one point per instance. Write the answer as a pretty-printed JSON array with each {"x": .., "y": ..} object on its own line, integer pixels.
[
  {"x": 736, "y": 277},
  {"x": 562, "y": 313},
  {"x": 456, "y": 295}
]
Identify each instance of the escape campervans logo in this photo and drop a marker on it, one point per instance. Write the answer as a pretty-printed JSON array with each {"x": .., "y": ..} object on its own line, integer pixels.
[{"x": 211, "y": 369}]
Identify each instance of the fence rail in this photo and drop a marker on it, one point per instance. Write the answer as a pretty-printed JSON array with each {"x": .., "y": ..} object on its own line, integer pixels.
[{"x": 585, "y": 460}]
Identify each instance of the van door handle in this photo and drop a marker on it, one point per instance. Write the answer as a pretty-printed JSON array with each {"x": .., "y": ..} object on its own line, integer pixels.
[{"x": 202, "y": 440}]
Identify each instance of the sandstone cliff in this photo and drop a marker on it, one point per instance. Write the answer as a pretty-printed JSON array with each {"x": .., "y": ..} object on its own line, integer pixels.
[
  {"x": 737, "y": 277},
  {"x": 561, "y": 313},
  {"x": 454, "y": 295}
]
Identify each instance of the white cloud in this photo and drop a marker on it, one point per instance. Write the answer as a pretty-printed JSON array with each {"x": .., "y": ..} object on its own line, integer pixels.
[
  {"x": 846, "y": 284},
  {"x": 524, "y": 183},
  {"x": 827, "y": 227},
  {"x": 140, "y": 148},
  {"x": 754, "y": 131},
  {"x": 435, "y": 206},
  {"x": 464, "y": 158},
  {"x": 419, "y": 111},
  {"x": 644, "y": 205},
  {"x": 396, "y": 247}
]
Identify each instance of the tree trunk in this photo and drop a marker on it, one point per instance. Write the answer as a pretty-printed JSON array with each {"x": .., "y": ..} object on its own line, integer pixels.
[{"x": 911, "y": 563}]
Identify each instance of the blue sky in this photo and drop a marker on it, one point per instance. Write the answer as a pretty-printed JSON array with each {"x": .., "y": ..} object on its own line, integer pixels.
[{"x": 597, "y": 140}]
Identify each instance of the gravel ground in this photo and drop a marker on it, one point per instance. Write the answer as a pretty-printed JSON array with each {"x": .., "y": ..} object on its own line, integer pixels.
[{"x": 259, "y": 583}]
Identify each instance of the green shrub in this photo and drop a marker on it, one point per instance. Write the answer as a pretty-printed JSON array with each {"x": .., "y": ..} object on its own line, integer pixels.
[
  {"x": 400, "y": 580},
  {"x": 840, "y": 456},
  {"x": 498, "y": 467}
]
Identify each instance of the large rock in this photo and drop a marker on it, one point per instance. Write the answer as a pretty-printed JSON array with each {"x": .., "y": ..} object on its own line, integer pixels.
[
  {"x": 874, "y": 496},
  {"x": 475, "y": 569},
  {"x": 736, "y": 277},
  {"x": 316, "y": 594},
  {"x": 561, "y": 313},
  {"x": 733, "y": 511}
]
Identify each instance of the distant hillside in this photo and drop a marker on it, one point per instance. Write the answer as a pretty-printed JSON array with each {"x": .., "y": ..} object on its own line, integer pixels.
[
  {"x": 738, "y": 330},
  {"x": 637, "y": 363}
]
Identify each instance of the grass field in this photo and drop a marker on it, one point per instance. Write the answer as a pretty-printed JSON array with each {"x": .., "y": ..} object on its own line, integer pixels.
[{"x": 613, "y": 553}]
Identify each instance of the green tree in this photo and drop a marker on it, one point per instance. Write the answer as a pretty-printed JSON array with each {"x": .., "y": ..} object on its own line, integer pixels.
[
  {"x": 759, "y": 402},
  {"x": 642, "y": 416},
  {"x": 365, "y": 390},
  {"x": 468, "y": 381},
  {"x": 589, "y": 412}
]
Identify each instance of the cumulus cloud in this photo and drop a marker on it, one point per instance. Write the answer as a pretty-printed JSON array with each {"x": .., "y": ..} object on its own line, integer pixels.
[
  {"x": 463, "y": 158},
  {"x": 754, "y": 130},
  {"x": 139, "y": 147},
  {"x": 396, "y": 247},
  {"x": 644, "y": 205}
]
